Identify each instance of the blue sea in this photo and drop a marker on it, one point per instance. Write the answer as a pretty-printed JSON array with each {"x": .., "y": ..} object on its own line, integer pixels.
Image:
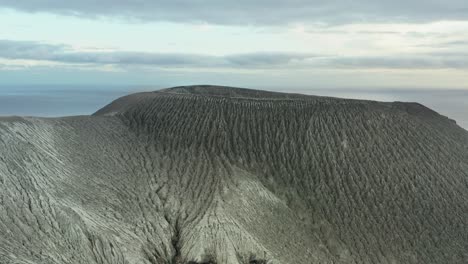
[
  {"x": 67, "y": 100},
  {"x": 60, "y": 100}
]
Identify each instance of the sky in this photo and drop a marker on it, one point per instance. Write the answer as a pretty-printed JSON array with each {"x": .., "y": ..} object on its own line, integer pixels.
[
  {"x": 338, "y": 47},
  {"x": 326, "y": 44}
]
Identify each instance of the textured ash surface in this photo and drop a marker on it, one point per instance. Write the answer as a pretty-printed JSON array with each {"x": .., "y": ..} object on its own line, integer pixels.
[{"x": 207, "y": 174}]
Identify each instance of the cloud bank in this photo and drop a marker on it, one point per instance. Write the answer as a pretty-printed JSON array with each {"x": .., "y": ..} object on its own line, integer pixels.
[
  {"x": 253, "y": 12},
  {"x": 35, "y": 51},
  {"x": 29, "y": 50}
]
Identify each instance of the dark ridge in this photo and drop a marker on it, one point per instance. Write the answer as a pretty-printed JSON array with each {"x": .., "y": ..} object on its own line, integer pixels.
[
  {"x": 10, "y": 118},
  {"x": 146, "y": 99},
  {"x": 416, "y": 109},
  {"x": 231, "y": 92},
  {"x": 123, "y": 103}
]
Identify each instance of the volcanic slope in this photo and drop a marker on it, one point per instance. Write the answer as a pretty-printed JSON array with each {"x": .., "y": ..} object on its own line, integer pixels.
[{"x": 206, "y": 174}]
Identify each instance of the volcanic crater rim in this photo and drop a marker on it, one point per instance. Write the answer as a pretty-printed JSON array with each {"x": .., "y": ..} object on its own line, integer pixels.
[{"x": 233, "y": 92}]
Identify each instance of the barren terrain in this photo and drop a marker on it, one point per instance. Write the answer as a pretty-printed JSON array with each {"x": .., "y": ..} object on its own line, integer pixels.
[{"x": 205, "y": 174}]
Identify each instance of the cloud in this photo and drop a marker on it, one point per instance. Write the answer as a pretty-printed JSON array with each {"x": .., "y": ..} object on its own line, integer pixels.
[
  {"x": 262, "y": 59},
  {"x": 453, "y": 45},
  {"x": 428, "y": 61},
  {"x": 40, "y": 52},
  {"x": 457, "y": 43},
  {"x": 253, "y": 12},
  {"x": 377, "y": 32},
  {"x": 28, "y": 50}
]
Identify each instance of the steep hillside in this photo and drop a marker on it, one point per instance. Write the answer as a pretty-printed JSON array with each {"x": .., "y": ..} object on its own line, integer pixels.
[{"x": 206, "y": 174}]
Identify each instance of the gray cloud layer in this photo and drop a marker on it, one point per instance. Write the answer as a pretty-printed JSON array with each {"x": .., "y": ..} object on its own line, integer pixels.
[
  {"x": 253, "y": 12},
  {"x": 16, "y": 50},
  {"x": 28, "y": 50}
]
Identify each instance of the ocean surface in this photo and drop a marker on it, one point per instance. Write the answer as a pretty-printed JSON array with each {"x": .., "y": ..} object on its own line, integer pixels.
[{"x": 52, "y": 101}]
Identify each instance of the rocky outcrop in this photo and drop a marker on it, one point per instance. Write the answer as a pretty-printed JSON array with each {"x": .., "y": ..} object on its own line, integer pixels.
[{"x": 206, "y": 174}]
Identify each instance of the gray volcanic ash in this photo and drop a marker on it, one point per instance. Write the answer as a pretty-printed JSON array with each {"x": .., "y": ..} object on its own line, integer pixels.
[{"x": 207, "y": 174}]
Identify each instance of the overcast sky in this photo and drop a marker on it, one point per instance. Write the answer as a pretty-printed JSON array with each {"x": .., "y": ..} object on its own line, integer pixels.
[{"x": 295, "y": 43}]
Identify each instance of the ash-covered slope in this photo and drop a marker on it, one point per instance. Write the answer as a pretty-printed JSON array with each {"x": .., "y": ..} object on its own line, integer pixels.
[{"x": 206, "y": 174}]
